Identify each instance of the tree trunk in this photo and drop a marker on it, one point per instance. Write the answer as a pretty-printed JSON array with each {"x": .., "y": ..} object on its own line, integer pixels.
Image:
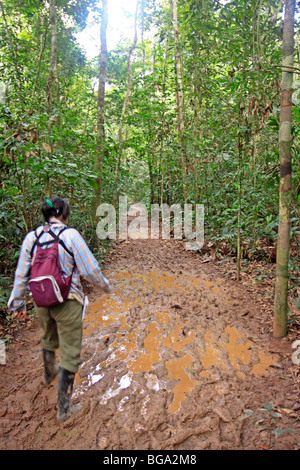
[
  {"x": 125, "y": 104},
  {"x": 197, "y": 132},
  {"x": 53, "y": 59},
  {"x": 100, "y": 110},
  {"x": 180, "y": 100},
  {"x": 283, "y": 242},
  {"x": 153, "y": 167},
  {"x": 50, "y": 84},
  {"x": 43, "y": 38},
  {"x": 13, "y": 51},
  {"x": 238, "y": 242},
  {"x": 163, "y": 111},
  {"x": 151, "y": 179}
]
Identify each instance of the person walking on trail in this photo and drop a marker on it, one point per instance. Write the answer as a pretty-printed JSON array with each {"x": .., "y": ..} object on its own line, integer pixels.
[{"x": 60, "y": 318}]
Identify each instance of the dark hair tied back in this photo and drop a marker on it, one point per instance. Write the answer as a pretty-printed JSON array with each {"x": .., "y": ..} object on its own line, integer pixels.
[{"x": 55, "y": 207}]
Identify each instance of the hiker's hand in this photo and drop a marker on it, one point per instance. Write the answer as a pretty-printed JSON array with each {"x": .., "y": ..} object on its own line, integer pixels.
[{"x": 107, "y": 287}]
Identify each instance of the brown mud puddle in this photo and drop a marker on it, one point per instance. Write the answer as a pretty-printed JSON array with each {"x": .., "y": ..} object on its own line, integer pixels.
[
  {"x": 203, "y": 352},
  {"x": 173, "y": 359}
]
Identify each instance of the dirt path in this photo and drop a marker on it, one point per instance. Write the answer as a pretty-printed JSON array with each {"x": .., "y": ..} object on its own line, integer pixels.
[{"x": 175, "y": 359}]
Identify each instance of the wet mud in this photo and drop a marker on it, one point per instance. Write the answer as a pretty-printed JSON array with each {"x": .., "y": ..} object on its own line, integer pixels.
[{"x": 174, "y": 359}]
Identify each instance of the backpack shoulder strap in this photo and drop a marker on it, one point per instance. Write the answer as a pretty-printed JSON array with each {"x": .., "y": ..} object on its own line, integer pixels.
[
  {"x": 36, "y": 242},
  {"x": 58, "y": 240},
  {"x": 62, "y": 242},
  {"x": 55, "y": 239}
]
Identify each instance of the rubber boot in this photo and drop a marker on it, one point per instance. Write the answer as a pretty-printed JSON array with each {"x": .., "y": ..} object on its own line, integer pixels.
[
  {"x": 50, "y": 367},
  {"x": 65, "y": 389}
]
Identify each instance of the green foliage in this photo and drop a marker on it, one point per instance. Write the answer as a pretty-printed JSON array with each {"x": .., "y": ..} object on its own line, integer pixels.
[
  {"x": 267, "y": 419},
  {"x": 231, "y": 57},
  {"x": 5, "y": 289}
]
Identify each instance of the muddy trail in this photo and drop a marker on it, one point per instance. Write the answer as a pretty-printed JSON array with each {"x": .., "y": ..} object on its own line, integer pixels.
[{"x": 175, "y": 359}]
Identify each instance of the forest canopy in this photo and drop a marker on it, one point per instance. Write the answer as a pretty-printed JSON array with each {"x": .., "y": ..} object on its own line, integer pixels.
[{"x": 188, "y": 112}]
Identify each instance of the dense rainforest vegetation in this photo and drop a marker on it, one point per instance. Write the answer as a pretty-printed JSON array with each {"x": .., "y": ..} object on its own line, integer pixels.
[{"x": 185, "y": 110}]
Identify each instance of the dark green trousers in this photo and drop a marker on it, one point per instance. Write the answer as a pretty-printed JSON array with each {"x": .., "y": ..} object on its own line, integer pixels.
[{"x": 62, "y": 329}]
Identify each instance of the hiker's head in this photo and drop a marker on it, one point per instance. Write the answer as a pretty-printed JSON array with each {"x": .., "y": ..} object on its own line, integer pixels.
[{"x": 55, "y": 207}]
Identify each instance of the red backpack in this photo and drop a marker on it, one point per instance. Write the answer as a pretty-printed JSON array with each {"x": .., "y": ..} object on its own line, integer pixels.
[{"x": 47, "y": 283}]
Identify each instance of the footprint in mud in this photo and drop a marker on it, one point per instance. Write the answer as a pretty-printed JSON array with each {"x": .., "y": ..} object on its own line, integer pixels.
[{"x": 173, "y": 352}]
